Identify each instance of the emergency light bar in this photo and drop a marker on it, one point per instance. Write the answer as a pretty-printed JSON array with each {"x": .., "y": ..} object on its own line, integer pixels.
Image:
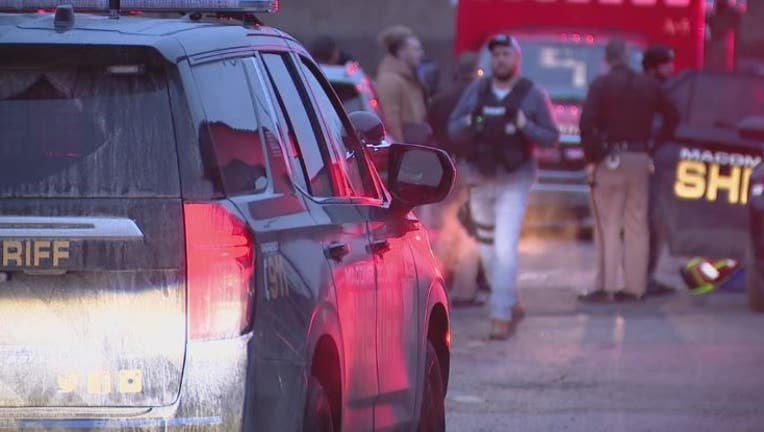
[{"x": 242, "y": 6}]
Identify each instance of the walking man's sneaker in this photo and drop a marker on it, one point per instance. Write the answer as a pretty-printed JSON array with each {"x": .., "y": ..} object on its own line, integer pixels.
[
  {"x": 518, "y": 312},
  {"x": 501, "y": 329}
]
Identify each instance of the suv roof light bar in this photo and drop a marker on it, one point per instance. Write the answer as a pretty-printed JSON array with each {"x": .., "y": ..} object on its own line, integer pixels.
[{"x": 189, "y": 6}]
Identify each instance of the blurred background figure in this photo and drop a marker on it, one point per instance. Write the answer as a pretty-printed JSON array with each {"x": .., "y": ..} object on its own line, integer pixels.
[
  {"x": 724, "y": 33},
  {"x": 444, "y": 101},
  {"x": 658, "y": 63},
  {"x": 453, "y": 244},
  {"x": 401, "y": 94},
  {"x": 324, "y": 50}
]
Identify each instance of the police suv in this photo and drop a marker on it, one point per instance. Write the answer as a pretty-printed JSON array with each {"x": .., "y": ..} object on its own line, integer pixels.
[
  {"x": 705, "y": 173},
  {"x": 192, "y": 236}
]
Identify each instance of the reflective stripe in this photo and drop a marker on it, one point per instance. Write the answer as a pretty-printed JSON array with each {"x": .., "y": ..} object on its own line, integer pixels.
[
  {"x": 478, "y": 225},
  {"x": 484, "y": 240}
]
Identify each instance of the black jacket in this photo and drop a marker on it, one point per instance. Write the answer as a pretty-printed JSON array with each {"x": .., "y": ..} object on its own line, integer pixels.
[
  {"x": 441, "y": 107},
  {"x": 623, "y": 105}
]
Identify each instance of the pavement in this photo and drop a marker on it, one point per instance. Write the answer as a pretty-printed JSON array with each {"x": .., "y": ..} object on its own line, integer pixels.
[{"x": 677, "y": 363}]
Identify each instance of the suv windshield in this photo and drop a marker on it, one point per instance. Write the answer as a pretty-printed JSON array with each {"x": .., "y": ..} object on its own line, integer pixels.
[
  {"x": 563, "y": 69},
  {"x": 86, "y": 132}
]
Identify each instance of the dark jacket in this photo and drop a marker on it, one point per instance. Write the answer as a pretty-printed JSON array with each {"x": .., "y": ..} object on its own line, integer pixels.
[
  {"x": 401, "y": 95},
  {"x": 623, "y": 105},
  {"x": 441, "y": 107}
]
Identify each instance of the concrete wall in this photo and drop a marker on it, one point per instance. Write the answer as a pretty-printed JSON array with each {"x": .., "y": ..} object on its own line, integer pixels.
[{"x": 355, "y": 24}]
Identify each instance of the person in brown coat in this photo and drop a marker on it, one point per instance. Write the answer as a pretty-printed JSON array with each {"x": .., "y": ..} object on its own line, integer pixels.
[{"x": 401, "y": 95}]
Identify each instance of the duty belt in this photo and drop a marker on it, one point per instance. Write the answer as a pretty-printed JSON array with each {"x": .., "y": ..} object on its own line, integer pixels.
[{"x": 629, "y": 146}]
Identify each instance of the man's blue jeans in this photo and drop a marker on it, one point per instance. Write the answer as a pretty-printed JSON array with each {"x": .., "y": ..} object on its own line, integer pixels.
[{"x": 498, "y": 207}]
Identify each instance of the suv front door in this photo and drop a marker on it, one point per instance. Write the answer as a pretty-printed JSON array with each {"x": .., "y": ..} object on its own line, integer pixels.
[
  {"x": 397, "y": 330},
  {"x": 341, "y": 228}
]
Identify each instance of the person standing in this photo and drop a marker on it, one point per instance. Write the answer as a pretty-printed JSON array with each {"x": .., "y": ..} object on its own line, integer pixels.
[
  {"x": 454, "y": 247},
  {"x": 657, "y": 62},
  {"x": 616, "y": 129},
  {"x": 724, "y": 33},
  {"x": 324, "y": 50},
  {"x": 496, "y": 124},
  {"x": 401, "y": 95}
]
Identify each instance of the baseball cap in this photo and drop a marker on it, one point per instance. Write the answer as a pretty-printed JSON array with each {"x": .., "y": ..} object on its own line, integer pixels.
[
  {"x": 504, "y": 40},
  {"x": 657, "y": 55}
]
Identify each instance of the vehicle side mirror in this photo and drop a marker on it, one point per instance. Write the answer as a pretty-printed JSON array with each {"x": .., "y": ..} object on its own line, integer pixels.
[
  {"x": 419, "y": 175},
  {"x": 751, "y": 128},
  {"x": 369, "y": 127}
]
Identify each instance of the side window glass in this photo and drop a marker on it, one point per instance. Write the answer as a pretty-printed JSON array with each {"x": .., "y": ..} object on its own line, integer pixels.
[
  {"x": 302, "y": 129},
  {"x": 231, "y": 139},
  {"x": 277, "y": 159},
  {"x": 342, "y": 137}
]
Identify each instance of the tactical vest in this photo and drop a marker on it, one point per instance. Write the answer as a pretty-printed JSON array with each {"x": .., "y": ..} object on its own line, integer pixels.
[{"x": 498, "y": 142}]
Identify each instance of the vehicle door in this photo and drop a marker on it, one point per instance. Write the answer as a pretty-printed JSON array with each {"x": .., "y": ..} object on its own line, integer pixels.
[
  {"x": 397, "y": 340},
  {"x": 341, "y": 229},
  {"x": 92, "y": 259}
]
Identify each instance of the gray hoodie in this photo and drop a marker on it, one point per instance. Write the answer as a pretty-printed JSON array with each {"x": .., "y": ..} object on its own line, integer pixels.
[{"x": 540, "y": 130}]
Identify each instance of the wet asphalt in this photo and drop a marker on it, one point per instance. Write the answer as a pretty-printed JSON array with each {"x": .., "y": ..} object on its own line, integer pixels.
[{"x": 676, "y": 363}]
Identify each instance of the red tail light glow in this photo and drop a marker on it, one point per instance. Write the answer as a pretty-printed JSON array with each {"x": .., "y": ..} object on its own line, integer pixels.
[
  {"x": 352, "y": 69},
  {"x": 220, "y": 266}
]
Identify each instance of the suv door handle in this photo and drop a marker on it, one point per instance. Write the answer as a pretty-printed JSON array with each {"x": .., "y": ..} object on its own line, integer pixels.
[
  {"x": 337, "y": 251},
  {"x": 379, "y": 246}
]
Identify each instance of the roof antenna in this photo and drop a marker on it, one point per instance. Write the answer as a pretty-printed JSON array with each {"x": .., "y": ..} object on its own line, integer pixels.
[{"x": 114, "y": 7}]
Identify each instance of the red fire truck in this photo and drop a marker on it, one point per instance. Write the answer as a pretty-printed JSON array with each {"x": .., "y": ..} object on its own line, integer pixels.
[{"x": 563, "y": 51}]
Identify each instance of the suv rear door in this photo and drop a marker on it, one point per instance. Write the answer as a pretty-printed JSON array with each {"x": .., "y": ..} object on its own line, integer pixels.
[{"x": 93, "y": 309}]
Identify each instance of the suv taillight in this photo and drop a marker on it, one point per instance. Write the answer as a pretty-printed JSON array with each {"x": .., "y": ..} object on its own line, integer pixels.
[{"x": 220, "y": 268}]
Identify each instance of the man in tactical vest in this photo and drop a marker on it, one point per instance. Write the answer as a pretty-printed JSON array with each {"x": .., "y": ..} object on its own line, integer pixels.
[{"x": 495, "y": 126}]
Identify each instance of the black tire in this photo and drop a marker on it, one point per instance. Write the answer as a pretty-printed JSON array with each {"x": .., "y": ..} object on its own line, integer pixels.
[
  {"x": 754, "y": 283},
  {"x": 433, "y": 415},
  {"x": 318, "y": 411}
]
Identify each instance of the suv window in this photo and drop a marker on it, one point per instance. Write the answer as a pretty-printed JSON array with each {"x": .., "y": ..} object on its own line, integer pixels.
[
  {"x": 302, "y": 127},
  {"x": 76, "y": 131},
  {"x": 231, "y": 139},
  {"x": 342, "y": 137}
]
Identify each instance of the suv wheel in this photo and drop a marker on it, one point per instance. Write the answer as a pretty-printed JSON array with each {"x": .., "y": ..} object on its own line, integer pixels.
[
  {"x": 433, "y": 416},
  {"x": 318, "y": 410},
  {"x": 754, "y": 282}
]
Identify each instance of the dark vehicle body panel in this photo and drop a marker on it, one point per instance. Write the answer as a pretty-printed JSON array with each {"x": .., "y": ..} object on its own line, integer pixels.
[{"x": 703, "y": 174}]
